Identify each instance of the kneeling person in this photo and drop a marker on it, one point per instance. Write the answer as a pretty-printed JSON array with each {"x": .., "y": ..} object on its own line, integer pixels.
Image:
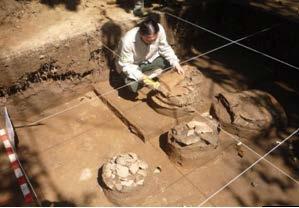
[{"x": 143, "y": 50}]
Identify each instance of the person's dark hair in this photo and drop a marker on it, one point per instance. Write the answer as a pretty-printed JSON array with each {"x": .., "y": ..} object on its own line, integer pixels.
[{"x": 149, "y": 26}]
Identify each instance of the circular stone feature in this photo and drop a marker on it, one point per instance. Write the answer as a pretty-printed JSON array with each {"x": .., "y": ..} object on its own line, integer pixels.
[
  {"x": 124, "y": 177},
  {"x": 193, "y": 142},
  {"x": 249, "y": 113},
  {"x": 178, "y": 95}
]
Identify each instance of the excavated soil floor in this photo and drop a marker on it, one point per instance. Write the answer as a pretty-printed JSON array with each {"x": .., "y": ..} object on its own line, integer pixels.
[{"x": 63, "y": 143}]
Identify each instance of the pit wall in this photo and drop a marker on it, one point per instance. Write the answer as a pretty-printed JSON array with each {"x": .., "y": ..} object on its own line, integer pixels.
[
  {"x": 50, "y": 75},
  {"x": 85, "y": 52},
  {"x": 73, "y": 54},
  {"x": 77, "y": 56}
]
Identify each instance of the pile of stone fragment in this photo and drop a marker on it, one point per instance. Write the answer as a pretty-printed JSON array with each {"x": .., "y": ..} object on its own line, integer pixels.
[
  {"x": 195, "y": 132},
  {"x": 124, "y": 172},
  {"x": 194, "y": 142}
]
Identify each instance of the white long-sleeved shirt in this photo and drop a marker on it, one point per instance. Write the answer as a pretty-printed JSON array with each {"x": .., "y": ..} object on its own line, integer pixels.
[{"x": 133, "y": 51}]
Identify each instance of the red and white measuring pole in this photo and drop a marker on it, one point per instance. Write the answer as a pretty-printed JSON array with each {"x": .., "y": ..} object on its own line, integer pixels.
[{"x": 13, "y": 158}]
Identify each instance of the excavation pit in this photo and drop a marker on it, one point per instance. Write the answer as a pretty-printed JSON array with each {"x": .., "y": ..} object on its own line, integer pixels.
[{"x": 79, "y": 63}]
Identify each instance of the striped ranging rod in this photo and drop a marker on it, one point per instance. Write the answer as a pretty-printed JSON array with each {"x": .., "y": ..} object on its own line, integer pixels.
[{"x": 16, "y": 167}]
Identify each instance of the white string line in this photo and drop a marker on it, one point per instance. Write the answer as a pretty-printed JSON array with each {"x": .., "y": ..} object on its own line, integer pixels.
[
  {"x": 109, "y": 49},
  {"x": 220, "y": 47},
  {"x": 238, "y": 140},
  {"x": 235, "y": 178},
  {"x": 223, "y": 129},
  {"x": 283, "y": 172},
  {"x": 242, "y": 45},
  {"x": 193, "y": 58},
  {"x": 269, "y": 162},
  {"x": 183, "y": 62}
]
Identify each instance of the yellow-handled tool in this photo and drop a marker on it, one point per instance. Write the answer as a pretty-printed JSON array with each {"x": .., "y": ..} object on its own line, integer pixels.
[{"x": 151, "y": 83}]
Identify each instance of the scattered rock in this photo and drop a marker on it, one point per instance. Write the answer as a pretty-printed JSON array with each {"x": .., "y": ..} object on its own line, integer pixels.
[
  {"x": 189, "y": 139},
  {"x": 203, "y": 128},
  {"x": 122, "y": 171},
  {"x": 193, "y": 124},
  {"x": 118, "y": 187},
  {"x": 143, "y": 165},
  {"x": 240, "y": 150},
  {"x": 111, "y": 166},
  {"x": 140, "y": 182},
  {"x": 134, "y": 168},
  {"x": 110, "y": 184},
  {"x": 122, "y": 160},
  {"x": 133, "y": 155},
  {"x": 157, "y": 170},
  {"x": 253, "y": 184},
  {"x": 142, "y": 173},
  {"x": 206, "y": 114},
  {"x": 107, "y": 173},
  {"x": 127, "y": 183},
  {"x": 190, "y": 132}
]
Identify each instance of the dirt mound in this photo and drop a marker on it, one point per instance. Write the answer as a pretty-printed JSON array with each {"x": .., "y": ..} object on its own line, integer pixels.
[
  {"x": 178, "y": 95},
  {"x": 194, "y": 142},
  {"x": 248, "y": 113}
]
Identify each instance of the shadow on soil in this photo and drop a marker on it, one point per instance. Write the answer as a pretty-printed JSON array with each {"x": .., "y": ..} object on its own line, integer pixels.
[
  {"x": 128, "y": 5},
  {"x": 100, "y": 179},
  {"x": 163, "y": 142},
  {"x": 37, "y": 172},
  {"x": 111, "y": 35},
  {"x": 261, "y": 187},
  {"x": 235, "y": 69},
  {"x": 11, "y": 194},
  {"x": 287, "y": 8},
  {"x": 71, "y": 5}
]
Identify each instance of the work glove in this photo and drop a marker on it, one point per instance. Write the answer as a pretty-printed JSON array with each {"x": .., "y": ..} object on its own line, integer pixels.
[{"x": 151, "y": 83}]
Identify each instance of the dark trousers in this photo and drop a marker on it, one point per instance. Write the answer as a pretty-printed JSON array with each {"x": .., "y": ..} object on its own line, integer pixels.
[{"x": 147, "y": 68}]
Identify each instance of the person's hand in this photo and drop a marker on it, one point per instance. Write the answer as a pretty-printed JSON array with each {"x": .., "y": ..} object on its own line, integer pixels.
[{"x": 179, "y": 69}]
